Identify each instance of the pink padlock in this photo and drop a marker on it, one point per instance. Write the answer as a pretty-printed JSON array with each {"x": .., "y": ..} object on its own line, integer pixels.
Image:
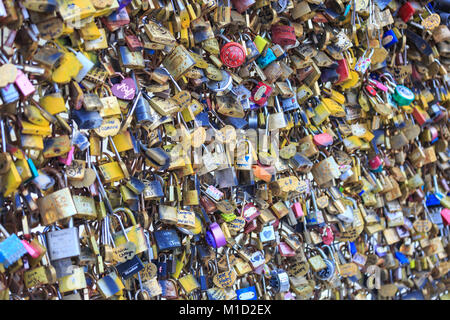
[
  {"x": 67, "y": 160},
  {"x": 327, "y": 235},
  {"x": 93, "y": 190},
  {"x": 375, "y": 163},
  {"x": 445, "y": 213},
  {"x": 30, "y": 249},
  {"x": 24, "y": 84},
  {"x": 433, "y": 132},
  {"x": 323, "y": 139},
  {"x": 250, "y": 212},
  {"x": 297, "y": 209},
  {"x": 378, "y": 85},
  {"x": 286, "y": 250}
]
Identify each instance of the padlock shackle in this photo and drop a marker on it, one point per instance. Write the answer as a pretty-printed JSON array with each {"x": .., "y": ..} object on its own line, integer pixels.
[
  {"x": 121, "y": 227},
  {"x": 128, "y": 212},
  {"x": 224, "y": 38},
  {"x": 53, "y": 172}
]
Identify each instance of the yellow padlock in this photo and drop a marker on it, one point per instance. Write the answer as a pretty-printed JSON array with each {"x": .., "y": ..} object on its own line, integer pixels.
[
  {"x": 74, "y": 281},
  {"x": 260, "y": 43},
  {"x": 24, "y": 169},
  {"x": 68, "y": 69},
  {"x": 189, "y": 283},
  {"x": 11, "y": 181},
  {"x": 74, "y": 10},
  {"x": 352, "y": 143},
  {"x": 321, "y": 113},
  {"x": 337, "y": 96},
  {"x": 187, "y": 114},
  {"x": 29, "y": 128},
  {"x": 53, "y": 103},
  {"x": 179, "y": 266},
  {"x": 35, "y": 116},
  {"x": 90, "y": 31},
  {"x": 111, "y": 172},
  {"x": 123, "y": 141},
  {"x": 335, "y": 108},
  {"x": 107, "y": 10},
  {"x": 56, "y": 146}
]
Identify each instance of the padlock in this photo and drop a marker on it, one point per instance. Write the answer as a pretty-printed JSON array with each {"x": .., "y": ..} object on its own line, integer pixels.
[
  {"x": 318, "y": 131},
  {"x": 11, "y": 249},
  {"x": 63, "y": 243},
  {"x": 283, "y": 35},
  {"x": 56, "y": 205}
]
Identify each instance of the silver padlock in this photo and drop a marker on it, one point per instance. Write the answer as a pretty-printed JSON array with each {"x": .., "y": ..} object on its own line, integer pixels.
[{"x": 63, "y": 243}]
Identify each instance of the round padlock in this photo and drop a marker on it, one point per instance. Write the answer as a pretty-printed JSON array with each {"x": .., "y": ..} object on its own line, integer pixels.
[
  {"x": 279, "y": 280},
  {"x": 223, "y": 86},
  {"x": 232, "y": 54},
  {"x": 215, "y": 237},
  {"x": 403, "y": 95}
]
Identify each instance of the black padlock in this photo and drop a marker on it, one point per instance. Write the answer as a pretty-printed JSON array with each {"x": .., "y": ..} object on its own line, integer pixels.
[
  {"x": 130, "y": 267},
  {"x": 161, "y": 267}
]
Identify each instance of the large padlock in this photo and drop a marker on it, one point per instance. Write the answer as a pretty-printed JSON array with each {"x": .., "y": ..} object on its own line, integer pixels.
[
  {"x": 283, "y": 35},
  {"x": 63, "y": 243},
  {"x": 58, "y": 204},
  {"x": 135, "y": 233},
  {"x": 325, "y": 170}
]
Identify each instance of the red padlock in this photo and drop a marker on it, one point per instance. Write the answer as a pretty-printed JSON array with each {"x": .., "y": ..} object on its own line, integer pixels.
[
  {"x": 261, "y": 93},
  {"x": 285, "y": 250},
  {"x": 242, "y": 5},
  {"x": 420, "y": 116},
  {"x": 250, "y": 212},
  {"x": 370, "y": 90},
  {"x": 375, "y": 163},
  {"x": 406, "y": 11},
  {"x": 343, "y": 71},
  {"x": 327, "y": 235},
  {"x": 250, "y": 226},
  {"x": 445, "y": 213},
  {"x": 283, "y": 35},
  {"x": 232, "y": 53}
]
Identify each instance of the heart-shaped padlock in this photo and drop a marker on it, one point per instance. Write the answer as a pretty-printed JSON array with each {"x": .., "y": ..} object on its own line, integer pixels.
[{"x": 124, "y": 90}]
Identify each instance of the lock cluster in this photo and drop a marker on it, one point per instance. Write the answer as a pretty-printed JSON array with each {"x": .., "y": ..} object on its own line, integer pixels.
[{"x": 224, "y": 149}]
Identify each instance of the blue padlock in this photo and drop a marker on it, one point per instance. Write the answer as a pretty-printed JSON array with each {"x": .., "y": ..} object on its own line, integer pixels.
[
  {"x": 432, "y": 200},
  {"x": 402, "y": 259},
  {"x": 389, "y": 39},
  {"x": 9, "y": 94},
  {"x": 238, "y": 123},
  {"x": 248, "y": 293},
  {"x": 264, "y": 61},
  {"x": 87, "y": 119},
  {"x": 203, "y": 119},
  {"x": 11, "y": 249},
  {"x": 289, "y": 104},
  {"x": 34, "y": 172}
]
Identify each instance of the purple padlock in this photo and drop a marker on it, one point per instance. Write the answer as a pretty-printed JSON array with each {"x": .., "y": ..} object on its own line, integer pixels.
[
  {"x": 124, "y": 90},
  {"x": 215, "y": 237}
]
